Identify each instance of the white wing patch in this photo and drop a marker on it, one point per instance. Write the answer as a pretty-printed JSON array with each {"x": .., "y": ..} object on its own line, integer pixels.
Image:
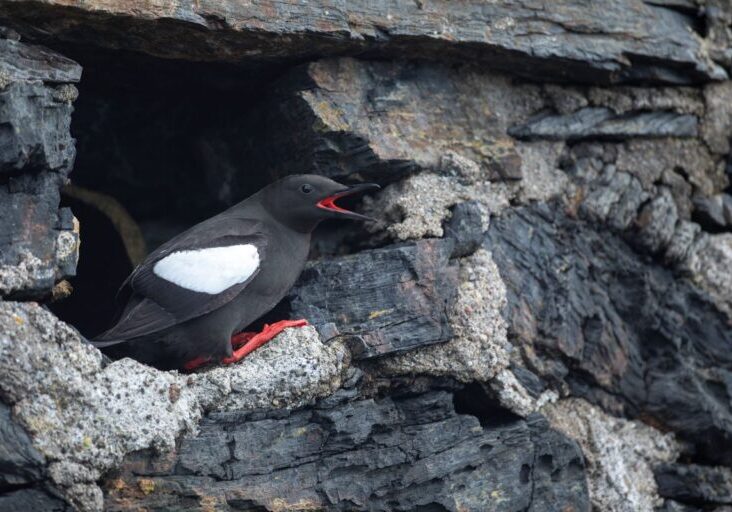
[{"x": 209, "y": 270}]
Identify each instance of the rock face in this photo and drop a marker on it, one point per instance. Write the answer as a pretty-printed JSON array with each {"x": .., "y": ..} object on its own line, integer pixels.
[
  {"x": 539, "y": 320},
  {"x": 627, "y": 40},
  {"x": 83, "y": 417},
  {"x": 404, "y": 305},
  {"x": 612, "y": 333},
  {"x": 38, "y": 242},
  {"x": 417, "y": 451}
]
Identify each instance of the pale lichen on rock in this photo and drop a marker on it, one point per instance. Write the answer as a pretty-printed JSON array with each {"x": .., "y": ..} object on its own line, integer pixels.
[
  {"x": 84, "y": 417},
  {"x": 479, "y": 349},
  {"x": 620, "y": 454}
]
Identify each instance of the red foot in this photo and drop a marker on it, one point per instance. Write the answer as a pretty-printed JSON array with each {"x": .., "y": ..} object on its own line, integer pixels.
[
  {"x": 195, "y": 363},
  {"x": 249, "y": 342},
  {"x": 242, "y": 338}
]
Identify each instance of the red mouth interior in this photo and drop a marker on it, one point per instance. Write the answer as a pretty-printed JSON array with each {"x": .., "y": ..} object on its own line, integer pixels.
[{"x": 329, "y": 204}]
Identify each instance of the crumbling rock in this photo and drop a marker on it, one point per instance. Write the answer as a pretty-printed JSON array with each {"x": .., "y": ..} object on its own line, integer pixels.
[
  {"x": 396, "y": 453},
  {"x": 83, "y": 418},
  {"x": 602, "y": 123},
  {"x": 574, "y": 41},
  {"x": 23, "y": 62},
  {"x": 621, "y": 455},
  {"x": 386, "y": 300},
  {"x": 708, "y": 263},
  {"x": 493, "y": 305},
  {"x": 383, "y": 121},
  {"x": 695, "y": 484},
  {"x": 717, "y": 123},
  {"x": 38, "y": 242},
  {"x": 594, "y": 318},
  {"x": 19, "y": 462},
  {"x": 479, "y": 349},
  {"x": 714, "y": 213}
]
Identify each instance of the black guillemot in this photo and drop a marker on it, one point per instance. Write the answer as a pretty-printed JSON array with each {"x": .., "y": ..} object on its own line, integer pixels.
[{"x": 187, "y": 304}]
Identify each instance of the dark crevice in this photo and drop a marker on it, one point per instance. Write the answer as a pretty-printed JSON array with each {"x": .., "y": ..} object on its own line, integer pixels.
[
  {"x": 473, "y": 399},
  {"x": 174, "y": 142},
  {"x": 6, "y": 488}
]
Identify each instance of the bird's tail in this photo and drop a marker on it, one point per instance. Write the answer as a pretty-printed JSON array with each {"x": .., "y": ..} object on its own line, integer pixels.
[
  {"x": 97, "y": 343},
  {"x": 103, "y": 343}
]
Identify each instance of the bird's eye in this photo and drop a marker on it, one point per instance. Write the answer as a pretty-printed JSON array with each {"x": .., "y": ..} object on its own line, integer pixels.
[{"x": 306, "y": 189}]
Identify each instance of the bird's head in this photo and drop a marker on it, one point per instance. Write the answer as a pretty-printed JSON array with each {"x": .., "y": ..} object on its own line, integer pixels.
[{"x": 302, "y": 201}]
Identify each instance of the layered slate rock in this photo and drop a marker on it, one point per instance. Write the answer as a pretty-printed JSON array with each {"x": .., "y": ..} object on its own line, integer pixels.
[
  {"x": 345, "y": 118},
  {"x": 603, "y": 123},
  {"x": 83, "y": 416},
  {"x": 587, "y": 311},
  {"x": 410, "y": 452},
  {"x": 386, "y": 300},
  {"x": 695, "y": 484},
  {"x": 38, "y": 242},
  {"x": 574, "y": 40}
]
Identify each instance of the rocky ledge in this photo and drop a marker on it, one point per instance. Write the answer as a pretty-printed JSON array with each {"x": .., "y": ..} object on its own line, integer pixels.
[{"x": 540, "y": 320}]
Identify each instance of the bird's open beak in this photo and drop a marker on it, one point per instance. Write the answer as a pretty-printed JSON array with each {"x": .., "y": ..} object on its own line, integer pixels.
[{"x": 329, "y": 202}]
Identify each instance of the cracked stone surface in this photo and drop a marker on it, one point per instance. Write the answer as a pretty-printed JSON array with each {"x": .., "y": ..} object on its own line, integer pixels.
[
  {"x": 39, "y": 241},
  {"x": 620, "y": 454},
  {"x": 521, "y": 37},
  {"x": 479, "y": 349},
  {"x": 84, "y": 418},
  {"x": 540, "y": 322}
]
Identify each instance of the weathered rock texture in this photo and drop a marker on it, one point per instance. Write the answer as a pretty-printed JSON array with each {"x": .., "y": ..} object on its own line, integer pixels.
[
  {"x": 416, "y": 451},
  {"x": 540, "y": 319},
  {"x": 83, "y": 417},
  {"x": 38, "y": 242},
  {"x": 571, "y": 40}
]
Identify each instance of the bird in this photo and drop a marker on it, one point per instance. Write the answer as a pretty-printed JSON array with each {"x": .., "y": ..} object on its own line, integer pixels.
[{"x": 188, "y": 303}]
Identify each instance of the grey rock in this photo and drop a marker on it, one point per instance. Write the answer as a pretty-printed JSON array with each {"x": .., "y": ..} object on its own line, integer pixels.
[
  {"x": 465, "y": 228},
  {"x": 36, "y": 154},
  {"x": 614, "y": 199},
  {"x": 32, "y": 499},
  {"x": 395, "y": 453},
  {"x": 656, "y": 223},
  {"x": 707, "y": 264},
  {"x": 339, "y": 118},
  {"x": 20, "y": 463},
  {"x": 388, "y": 300},
  {"x": 35, "y": 129},
  {"x": 23, "y": 62},
  {"x": 633, "y": 99},
  {"x": 519, "y": 37},
  {"x": 479, "y": 350},
  {"x": 620, "y": 454},
  {"x": 625, "y": 333},
  {"x": 695, "y": 484},
  {"x": 603, "y": 123},
  {"x": 710, "y": 211},
  {"x": 683, "y": 243},
  {"x": 419, "y": 206},
  {"x": 719, "y": 32},
  {"x": 649, "y": 159},
  {"x": 34, "y": 251},
  {"x": 717, "y": 122},
  {"x": 83, "y": 417}
]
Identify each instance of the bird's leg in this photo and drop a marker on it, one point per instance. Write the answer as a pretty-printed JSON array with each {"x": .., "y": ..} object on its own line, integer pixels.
[
  {"x": 242, "y": 338},
  {"x": 260, "y": 338},
  {"x": 195, "y": 363}
]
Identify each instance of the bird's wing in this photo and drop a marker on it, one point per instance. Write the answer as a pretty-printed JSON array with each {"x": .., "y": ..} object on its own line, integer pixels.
[{"x": 191, "y": 275}]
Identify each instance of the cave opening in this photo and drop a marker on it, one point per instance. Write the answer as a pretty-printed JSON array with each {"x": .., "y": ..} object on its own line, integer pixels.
[{"x": 161, "y": 145}]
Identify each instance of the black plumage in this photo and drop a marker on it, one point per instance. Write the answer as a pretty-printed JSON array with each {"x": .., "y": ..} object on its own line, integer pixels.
[{"x": 167, "y": 321}]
